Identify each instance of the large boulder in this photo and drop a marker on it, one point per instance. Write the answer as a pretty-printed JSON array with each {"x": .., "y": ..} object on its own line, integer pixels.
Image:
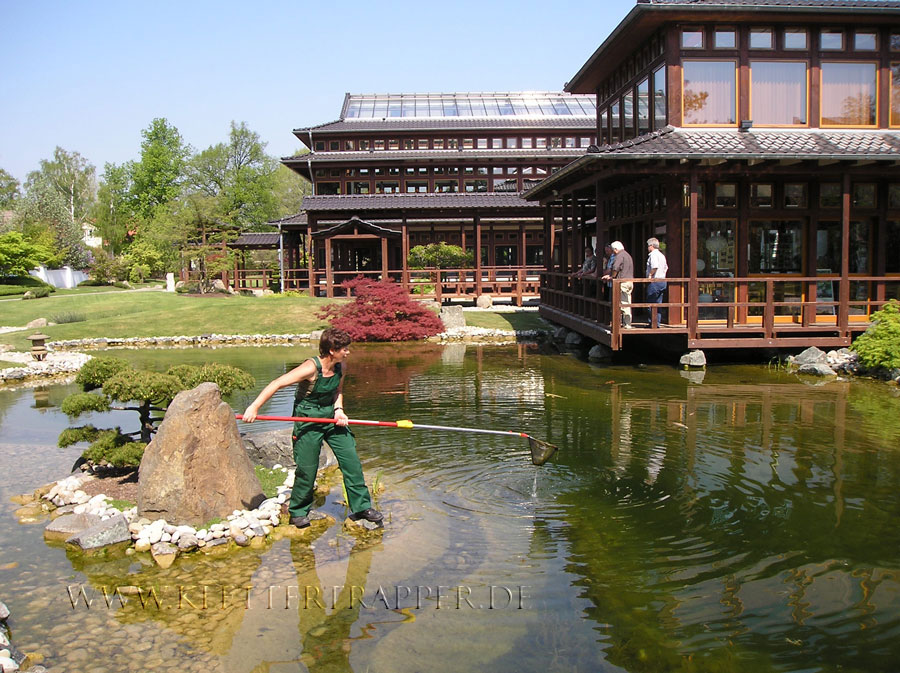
[
  {"x": 811, "y": 356},
  {"x": 276, "y": 447},
  {"x": 484, "y": 301},
  {"x": 695, "y": 358},
  {"x": 453, "y": 317},
  {"x": 196, "y": 469},
  {"x": 110, "y": 531}
]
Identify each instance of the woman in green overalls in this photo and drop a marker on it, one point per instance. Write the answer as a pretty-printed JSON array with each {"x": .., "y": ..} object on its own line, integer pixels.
[{"x": 319, "y": 395}]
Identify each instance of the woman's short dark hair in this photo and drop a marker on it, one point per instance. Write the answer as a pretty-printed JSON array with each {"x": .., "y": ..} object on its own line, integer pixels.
[{"x": 333, "y": 340}]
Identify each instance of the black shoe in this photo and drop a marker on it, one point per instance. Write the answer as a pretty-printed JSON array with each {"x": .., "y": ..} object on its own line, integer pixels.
[
  {"x": 300, "y": 521},
  {"x": 370, "y": 514}
]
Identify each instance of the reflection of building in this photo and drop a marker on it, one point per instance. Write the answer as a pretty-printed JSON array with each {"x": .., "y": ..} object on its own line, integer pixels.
[
  {"x": 397, "y": 171},
  {"x": 758, "y": 140}
]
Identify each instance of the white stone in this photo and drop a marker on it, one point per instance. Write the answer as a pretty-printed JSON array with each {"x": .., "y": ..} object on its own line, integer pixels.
[
  {"x": 169, "y": 528},
  {"x": 217, "y": 527},
  {"x": 154, "y": 535},
  {"x": 202, "y": 533},
  {"x": 165, "y": 537},
  {"x": 80, "y": 509},
  {"x": 7, "y": 665}
]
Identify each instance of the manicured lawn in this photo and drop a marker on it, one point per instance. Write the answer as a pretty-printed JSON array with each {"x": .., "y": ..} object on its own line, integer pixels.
[
  {"x": 137, "y": 314},
  {"x": 146, "y": 314},
  {"x": 518, "y": 321}
]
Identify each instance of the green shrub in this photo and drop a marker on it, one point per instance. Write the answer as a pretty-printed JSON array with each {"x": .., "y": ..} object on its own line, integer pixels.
[
  {"x": 138, "y": 273},
  {"x": 440, "y": 255},
  {"x": 122, "y": 284},
  {"x": 80, "y": 403},
  {"x": 228, "y": 378},
  {"x": 10, "y": 290},
  {"x": 92, "y": 282},
  {"x": 67, "y": 317},
  {"x": 188, "y": 288},
  {"x": 879, "y": 346},
  {"x": 37, "y": 293},
  {"x": 97, "y": 371}
]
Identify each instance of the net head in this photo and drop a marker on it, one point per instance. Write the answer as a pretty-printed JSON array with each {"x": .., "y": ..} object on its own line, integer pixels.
[{"x": 541, "y": 452}]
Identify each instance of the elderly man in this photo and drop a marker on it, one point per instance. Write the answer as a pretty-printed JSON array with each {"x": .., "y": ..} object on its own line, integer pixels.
[
  {"x": 656, "y": 271},
  {"x": 622, "y": 269}
]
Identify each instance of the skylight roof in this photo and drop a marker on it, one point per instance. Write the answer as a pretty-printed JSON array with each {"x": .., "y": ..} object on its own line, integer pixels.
[{"x": 481, "y": 105}]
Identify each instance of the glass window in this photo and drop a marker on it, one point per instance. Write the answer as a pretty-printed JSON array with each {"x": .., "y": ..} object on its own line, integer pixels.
[
  {"x": 865, "y": 41},
  {"x": 497, "y": 170},
  {"x": 724, "y": 38},
  {"x": 892, "y": 259},
  {"x": 468, "y": 143},
  {"x": 476, "y": 186},
  {"x": 778, "y": 93},
  {"x": 761, "y": 195},
  {"x": 895, "y": 41},
  {"x": 859, "y": 247},
  {"x": 830, "y": 195},
  {"x": 482, "y": 143},
  {"x": 831, "y": 40},
  {"x": 659, "y": 98},
  {"x": 761, "y": 38},
  {"x": 334, "y": 146},
  {"x": 422, "y": 143},
  {"x": 320, "y": 172},
  {"x": 408, "y": 144},
  {"x": 715, "y": 248},
  {"x": 585, "y": 141},
  {"x": 505, "y": 185},
  {"x": 776, "y": 246},
  {"x": 628, "y": 116},
  {"x": 446, "y": 186},
  {"x": 894, "y": 195},
  {"x": 615, "y": 131},
  {"x": 379, "y": 144},
  {"x": 387, "y": 187},
  {"x": 795, "y": 38},
  {"x": 328, "y": 188},
  {"x": 849, "y": 94},
  {"x": 795, "y": 195},
  {"x": 319, "y": 146},
  {"x": 349, "y": 145},
  {"x": 438, "y": 143},
  {"x": 709, "y": 92},
  {"x": 364, "y": 144},
  {"x": 895, "y": 94},
  {"x": 512, "y": 143},
  {"x": 692, "y": 38},
  {"x": 828, "y": 247},
  {"x": 569, "y": 141},
  {"x": 415, "y": 186},
  {"x": 505, "y": 255},
  {"x": 526, "y": 143},
  {"x": 393, "y": 144},
  {"x": 643, "y": 106},
  {"x": 497, "y": 143},
  {"x": 726, "y": 195},
  {"x": 534, "y": 255},
  {"x": 358, "y": 187},
  {"x": 453, "y": 144},
  {"x": 863, "y": 195}
]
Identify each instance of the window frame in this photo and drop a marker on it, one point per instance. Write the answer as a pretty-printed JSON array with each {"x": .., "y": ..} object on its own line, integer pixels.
[
  {"x": 807, "y": 96},
  {"x": 737, "y": 90},
  {"x": 822, "y": 65}
]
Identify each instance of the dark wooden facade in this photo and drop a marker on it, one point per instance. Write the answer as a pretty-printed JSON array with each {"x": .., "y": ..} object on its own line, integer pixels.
[
  {"x": 783, "y": 233},
  {"x": 430, "y": 168}
]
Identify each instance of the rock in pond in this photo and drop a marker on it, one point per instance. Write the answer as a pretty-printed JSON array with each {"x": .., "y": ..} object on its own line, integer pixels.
[
  {"x": 164, "y": 554},
  {"x": 111, "y": 531},
  {"x": 64, "y": 527}
]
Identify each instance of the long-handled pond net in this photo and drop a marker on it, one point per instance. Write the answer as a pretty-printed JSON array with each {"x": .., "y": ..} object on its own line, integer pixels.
[{"x": 540, "y": 451}]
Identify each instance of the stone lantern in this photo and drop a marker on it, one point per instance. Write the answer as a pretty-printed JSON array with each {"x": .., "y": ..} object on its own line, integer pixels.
[{"x": 38, "y": 349}]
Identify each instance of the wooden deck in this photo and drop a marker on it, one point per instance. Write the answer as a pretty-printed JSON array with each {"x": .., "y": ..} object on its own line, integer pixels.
[{"x": 756, "y": 312}]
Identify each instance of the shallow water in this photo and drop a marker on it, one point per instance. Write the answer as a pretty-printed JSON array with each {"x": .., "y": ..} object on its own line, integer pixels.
[{"x": 740, "y": 520}]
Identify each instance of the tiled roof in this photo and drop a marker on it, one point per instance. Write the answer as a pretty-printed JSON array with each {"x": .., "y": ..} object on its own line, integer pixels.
[
  {"x": 255, "y": 239},
  {"x": 407, "y": 124},
  {"x": 359, "y": 202},
  {"x": 782, "y": 144},
  {"x": 297, "y": 218},
  {"x": 444, "y": 155},
  {"x": 777, "y": 3},
  {"x": 699, "y": 144}
]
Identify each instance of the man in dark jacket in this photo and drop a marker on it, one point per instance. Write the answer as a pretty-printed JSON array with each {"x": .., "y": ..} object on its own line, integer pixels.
[{"x": 623, "y": 269}]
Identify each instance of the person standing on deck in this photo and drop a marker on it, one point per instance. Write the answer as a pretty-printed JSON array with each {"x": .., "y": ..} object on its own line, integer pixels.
[
  {"x": 622, "y": 269},
  {"x": 657, "y": 267},
  {"x": 320, "y": 395}
]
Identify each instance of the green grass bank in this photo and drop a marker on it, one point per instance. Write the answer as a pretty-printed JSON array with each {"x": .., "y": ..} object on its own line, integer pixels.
[{"x": 149, "y": 314}]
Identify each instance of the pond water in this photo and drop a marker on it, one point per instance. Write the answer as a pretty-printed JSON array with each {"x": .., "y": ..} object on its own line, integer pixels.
[{"x": 737, "y": 520}]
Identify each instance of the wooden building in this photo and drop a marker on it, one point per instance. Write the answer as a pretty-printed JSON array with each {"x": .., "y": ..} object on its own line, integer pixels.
[
  {"x": 400, "y": 170},
  {"x": 759, "y": 141}
]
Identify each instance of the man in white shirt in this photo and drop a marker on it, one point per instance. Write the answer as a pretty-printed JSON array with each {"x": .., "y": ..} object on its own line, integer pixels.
[{"x": 656, "y": 270}]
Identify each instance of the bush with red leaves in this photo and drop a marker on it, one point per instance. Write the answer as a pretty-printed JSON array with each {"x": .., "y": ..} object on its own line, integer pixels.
[{"x": 381, "y": 311}]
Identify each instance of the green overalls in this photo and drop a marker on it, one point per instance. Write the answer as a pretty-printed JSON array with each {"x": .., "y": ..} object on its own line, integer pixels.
[{"x": 308, "y": 438}]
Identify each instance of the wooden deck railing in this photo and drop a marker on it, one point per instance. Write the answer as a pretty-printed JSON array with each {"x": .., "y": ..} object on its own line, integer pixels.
[
  {"x": 517, "y": 283},
  {"x": 757, "y": 311}
]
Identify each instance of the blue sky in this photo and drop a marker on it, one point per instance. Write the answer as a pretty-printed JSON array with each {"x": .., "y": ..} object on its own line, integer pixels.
[{"x": 89, "y": 76}]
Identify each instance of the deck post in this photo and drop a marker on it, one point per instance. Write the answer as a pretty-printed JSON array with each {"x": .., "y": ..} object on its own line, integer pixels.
[
  {"x": 844, "y": 306},
  {"x": 404, "y": 249},
  {"x": 477, "y": 256},
  {"x": 693, "y": 283}
]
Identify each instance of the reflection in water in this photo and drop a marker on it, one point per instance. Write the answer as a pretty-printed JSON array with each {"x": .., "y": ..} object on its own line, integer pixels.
[{"x": 738, "y": 521}]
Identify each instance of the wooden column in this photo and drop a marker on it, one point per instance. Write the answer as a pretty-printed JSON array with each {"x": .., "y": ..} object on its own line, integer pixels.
[
  {"x": 844, "y": 307},
  {"x": 329, "y": 280},
  {"x": 564, "y": 239},
  {"x": 880, "y": 246},
  {"x": 693, "y": 285},
  {"x": 741, "y": 240},
  {"x": 548, "y": 237},
  {"x": 404, "y": 247},
  {"x": 811, "y": 256},
  {"x": 311, "y": 258},
  {"x": 477, "y": 255},
  {"x": 384, "y": 258},
  {"x": 675, "y": 245}
]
